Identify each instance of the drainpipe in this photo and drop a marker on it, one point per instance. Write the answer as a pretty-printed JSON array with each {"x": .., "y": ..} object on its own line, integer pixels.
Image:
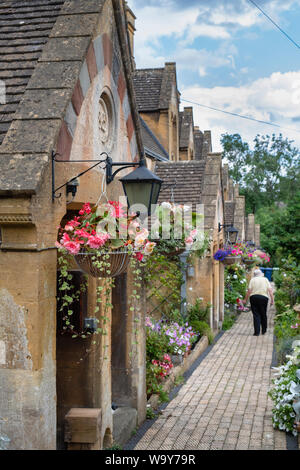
[{"x": 183, "y": 257}]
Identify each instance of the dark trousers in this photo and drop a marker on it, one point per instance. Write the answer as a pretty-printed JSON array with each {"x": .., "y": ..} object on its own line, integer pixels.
[{"x": 259, "y": 305}]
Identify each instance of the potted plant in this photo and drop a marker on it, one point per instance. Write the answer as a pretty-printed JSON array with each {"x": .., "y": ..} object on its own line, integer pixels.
[
  {"x": 102, "y": 239},
  {"x": 228, "y": 256},
  {"x": 175, "y": 233}
]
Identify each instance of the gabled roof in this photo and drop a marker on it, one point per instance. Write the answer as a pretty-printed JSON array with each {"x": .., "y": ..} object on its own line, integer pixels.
[
  {"x": 183, "y": 181},
  {"x": 153, "y": 87},
  {"x": 152, "y": 146},
  {"x": 24, "y": 30},
  {"x": 34, "y": 121}
]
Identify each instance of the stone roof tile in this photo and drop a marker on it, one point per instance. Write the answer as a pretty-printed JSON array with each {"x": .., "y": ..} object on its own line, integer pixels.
[
  {"x": 25, "y": 27},
  {"x": 182, "y": 180},
  {"x": 153, "y": 87}
]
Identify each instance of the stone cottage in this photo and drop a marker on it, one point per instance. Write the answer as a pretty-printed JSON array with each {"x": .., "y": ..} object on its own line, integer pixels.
[
  {"x": 199, "y": 183},
  {"x": 193, "y": 174},
  {"x": 67, "y": 69}
]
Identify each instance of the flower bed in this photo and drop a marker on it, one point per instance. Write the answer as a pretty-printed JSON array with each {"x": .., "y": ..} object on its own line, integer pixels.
[
  {"x": 172, "y": 342},
  {"x": 286, "y": 393},
  {"x": 287, "y": 295},
  {"x": 163, "y": 341}
]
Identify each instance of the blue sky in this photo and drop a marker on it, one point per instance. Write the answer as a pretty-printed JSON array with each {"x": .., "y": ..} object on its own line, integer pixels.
[{"x": 228, "y": 56}]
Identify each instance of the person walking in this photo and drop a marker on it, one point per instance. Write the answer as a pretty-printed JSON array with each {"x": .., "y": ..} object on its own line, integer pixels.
[{"x": 259, "y": 291}]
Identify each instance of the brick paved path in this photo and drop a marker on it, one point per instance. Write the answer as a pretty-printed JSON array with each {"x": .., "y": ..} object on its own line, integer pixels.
[{"x": 224, "y": 403}]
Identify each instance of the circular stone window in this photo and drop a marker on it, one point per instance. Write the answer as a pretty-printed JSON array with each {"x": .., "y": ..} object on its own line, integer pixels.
[{"x": 106, "y": 121}]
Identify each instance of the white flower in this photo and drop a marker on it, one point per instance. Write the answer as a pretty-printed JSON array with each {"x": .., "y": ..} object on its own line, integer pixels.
[{"x": 166, "y": 205}]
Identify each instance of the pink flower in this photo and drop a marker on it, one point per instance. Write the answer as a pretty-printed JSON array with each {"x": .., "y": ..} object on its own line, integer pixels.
[
  {"x": 86, "y": 209},
  {"x": 65, "y": 239},
  {"x": 118, "y": 210},
  {"x": 72, "y": 247},
  {"x": 148, "y": 322},
  {"x": 69, "y": 228},
  {"x": 82, "y": 233},
  {"x": 97, "y": 241}
]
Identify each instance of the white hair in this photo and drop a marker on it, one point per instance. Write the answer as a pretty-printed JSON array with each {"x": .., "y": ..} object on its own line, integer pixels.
[{"x": 258, "y": 273}]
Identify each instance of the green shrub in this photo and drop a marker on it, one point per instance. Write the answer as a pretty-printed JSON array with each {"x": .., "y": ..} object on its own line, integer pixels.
[
  {"x": 229, "y": 321},
  {"x": 203, "y": 329},
  {"x": 198, "y": 312},
  {"x": 150, "y": 414}
]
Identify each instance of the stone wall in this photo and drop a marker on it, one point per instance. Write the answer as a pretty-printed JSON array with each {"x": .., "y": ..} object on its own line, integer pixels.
[{"x": 61, "y": 111}]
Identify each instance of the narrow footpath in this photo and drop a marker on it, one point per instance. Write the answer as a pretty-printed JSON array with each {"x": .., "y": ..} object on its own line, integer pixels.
[{"x": 224, "y": 404}]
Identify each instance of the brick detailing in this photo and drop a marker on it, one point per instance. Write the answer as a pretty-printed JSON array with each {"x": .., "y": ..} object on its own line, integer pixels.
[
  {"x": 92, "y": 64},
  {"x": 64, "y": 143},
  {"x": 121, "y": 86},
  {"x": 107, "y": 51},
  {"x": 130, "y": 127},
  {"x": 77, "y": 98}
]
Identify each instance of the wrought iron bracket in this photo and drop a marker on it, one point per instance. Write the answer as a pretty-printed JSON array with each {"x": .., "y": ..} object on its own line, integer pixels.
[{"x": 109, "y": 164}]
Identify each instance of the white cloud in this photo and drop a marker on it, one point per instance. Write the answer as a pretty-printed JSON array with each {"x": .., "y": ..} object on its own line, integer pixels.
[{"x": 275, "y": 98}]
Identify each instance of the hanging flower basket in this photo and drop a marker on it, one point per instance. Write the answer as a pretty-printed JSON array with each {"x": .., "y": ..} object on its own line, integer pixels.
[
  {"x": 229, "y": 260},
  {"x": 117, "y": 263},
  {"x": 184, "y": 233},
  {"x": 249, "y": 262}
]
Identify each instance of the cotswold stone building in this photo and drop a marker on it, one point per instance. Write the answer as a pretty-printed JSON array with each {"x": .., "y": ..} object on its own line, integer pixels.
[
  {"x": 193, "y": 174},
  {"x": 67, "y": 70},
  {"x": 200, "y": 183}
]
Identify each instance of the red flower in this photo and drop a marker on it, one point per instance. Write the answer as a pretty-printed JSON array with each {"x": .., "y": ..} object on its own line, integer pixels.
[{"x": 86, "y": 209}]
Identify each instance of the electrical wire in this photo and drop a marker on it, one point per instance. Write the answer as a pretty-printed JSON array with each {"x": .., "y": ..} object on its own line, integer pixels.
[
  {"x": 269, "y": 123},
  {"x": 275, "y": 24}
]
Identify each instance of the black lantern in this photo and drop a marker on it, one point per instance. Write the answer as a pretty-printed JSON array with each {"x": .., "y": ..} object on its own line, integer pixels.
[
  {"x": 141, "y": 188},
  {"x": 232, "y": 233}
]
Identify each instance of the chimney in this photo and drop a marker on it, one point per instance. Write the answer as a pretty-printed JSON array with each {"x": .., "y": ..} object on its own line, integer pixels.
[{"x": 130, "y": 16}]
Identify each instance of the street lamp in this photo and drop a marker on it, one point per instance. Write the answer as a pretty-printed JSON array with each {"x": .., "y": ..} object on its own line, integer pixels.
[
  {"x": 141, "y": 187},
  {"x": 232, "y": 233}
]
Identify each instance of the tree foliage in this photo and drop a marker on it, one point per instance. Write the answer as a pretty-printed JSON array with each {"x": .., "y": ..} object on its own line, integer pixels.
[{"x": 268, "y": 175}]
